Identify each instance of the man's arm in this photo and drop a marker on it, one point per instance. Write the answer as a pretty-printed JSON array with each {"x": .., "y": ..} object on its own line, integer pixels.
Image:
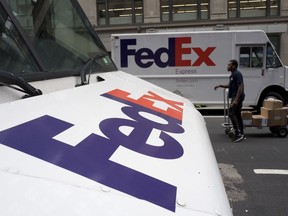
[
  {"x": 221, "y": 86},
  {"x": 239, "y": 92}
]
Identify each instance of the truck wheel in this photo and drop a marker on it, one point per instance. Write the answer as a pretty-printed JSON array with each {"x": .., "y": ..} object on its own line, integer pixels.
[
  {"x": 282, "y": 132},
  {"x": 274, "y": 95}
]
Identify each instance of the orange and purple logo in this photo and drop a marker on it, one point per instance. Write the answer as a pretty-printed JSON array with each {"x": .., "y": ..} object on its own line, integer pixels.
[{"x": 90, "y": 157}]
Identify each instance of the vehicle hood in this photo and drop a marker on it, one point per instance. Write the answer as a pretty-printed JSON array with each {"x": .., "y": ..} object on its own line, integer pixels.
[{"x": 121, "y": 146}]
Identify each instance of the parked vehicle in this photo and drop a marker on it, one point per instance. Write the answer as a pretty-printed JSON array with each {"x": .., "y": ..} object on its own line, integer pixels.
[{"x": 192, "y": 63}]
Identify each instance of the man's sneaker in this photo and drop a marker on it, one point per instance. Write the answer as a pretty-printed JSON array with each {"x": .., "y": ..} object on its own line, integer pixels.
[
  {"x": 238, "y": 138},
  {"x": 230, "y": 132}
]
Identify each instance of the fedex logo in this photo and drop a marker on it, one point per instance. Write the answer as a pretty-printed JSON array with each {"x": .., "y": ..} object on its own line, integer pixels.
[
  {"x": 145, "y": 57},
  {"x": 91, "y": 156}
]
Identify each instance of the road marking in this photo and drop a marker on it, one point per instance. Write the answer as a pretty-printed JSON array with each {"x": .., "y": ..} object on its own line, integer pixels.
[
  {"x": 211, "y": 116},
  {"x": 271, "y": 171}
]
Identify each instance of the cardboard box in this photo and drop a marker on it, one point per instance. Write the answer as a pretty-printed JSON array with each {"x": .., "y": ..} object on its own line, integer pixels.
[
  {"x": 246, "y": 115},
  {"x": 259, "y": 121},
  {"x": 247, "y": 118},
  {"x": 247, "y": 122},
  {"x": 266, "y": 112},
  {"x": 272, "y": 104},
  {"x": 276, "y": 117}
]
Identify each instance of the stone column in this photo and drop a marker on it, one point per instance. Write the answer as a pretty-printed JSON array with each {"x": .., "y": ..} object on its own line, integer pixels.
[
  {"x": 151, "y": 11},
  {"x": 89, "y": 7},
  {"x": 218, "y": 9},
  {"x": 284, "y": 8},
  {"x": 284, "y": 36},
  {"x": 283, "y": 48}
]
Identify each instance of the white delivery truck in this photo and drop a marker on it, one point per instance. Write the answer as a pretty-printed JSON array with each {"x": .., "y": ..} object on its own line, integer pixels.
[{"x": 192, "y": 63}]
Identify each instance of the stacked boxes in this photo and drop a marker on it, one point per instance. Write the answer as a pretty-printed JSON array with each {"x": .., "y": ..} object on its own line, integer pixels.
[
  {"x": 247, "y": 118},
  {"x": 272, "y": 114},
  {"x": 276, "y": 114},
  {"x": 272, "y": 104},
  {"x": 259, "y": 121}
]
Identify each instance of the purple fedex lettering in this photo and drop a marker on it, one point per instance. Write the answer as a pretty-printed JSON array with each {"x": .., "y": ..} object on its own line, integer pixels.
[
  {"x": 145, "y": 57},
  {"x": 142, "y": 128},
  {"x": 90, "y": 158},
  {"x": 124, "y": 49},
  {"x": 177, "y": 48}
]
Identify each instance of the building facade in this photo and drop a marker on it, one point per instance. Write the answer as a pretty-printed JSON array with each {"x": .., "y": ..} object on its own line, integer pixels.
[{"x": 139, "y": 16}]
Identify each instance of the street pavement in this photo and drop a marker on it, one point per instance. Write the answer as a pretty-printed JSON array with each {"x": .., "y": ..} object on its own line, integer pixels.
[{"x": 254, "y": 171}]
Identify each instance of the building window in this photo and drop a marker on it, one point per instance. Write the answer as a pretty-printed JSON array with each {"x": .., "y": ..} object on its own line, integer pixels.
[
  {"x": 253, "y": 8},
  {"x": 114, "y": 12},
  {"x": 184, "y": 10}
]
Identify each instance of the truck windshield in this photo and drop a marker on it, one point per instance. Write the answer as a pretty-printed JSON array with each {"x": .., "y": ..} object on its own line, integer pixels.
[
  {"x": 49, "y": 37},
  {"x": 273, "y": 60},
  {"x": 14, "y": 54}
]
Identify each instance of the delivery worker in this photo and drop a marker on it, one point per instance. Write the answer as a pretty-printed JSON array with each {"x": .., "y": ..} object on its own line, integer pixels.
[{"x": 237, "y": 95}]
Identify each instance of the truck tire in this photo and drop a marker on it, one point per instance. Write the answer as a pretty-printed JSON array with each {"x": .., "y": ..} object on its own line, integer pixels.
[
  {"x": 274, "y": 95},
  {"x": 282, "y": 132}
]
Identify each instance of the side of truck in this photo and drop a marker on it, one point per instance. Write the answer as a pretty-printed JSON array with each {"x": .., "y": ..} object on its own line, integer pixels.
[{"x": 192, "y": 63}]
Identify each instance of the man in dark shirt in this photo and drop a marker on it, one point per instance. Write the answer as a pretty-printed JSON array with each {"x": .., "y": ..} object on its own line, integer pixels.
[{"x": 237, "y": 95}]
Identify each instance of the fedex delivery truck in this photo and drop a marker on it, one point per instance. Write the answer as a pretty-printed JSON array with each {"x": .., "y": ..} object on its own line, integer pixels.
[
  {"x": 192, "y": 63},
  {"x": 79, "y": 137}
]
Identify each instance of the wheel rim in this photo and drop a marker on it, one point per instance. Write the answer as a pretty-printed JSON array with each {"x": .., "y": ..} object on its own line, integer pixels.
[{"x": 282, "y": 132}]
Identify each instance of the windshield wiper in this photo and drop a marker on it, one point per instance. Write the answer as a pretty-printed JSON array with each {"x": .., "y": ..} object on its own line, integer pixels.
[
  {"x": 9, "y": 79},
  {"x": 87, "y": 65}
]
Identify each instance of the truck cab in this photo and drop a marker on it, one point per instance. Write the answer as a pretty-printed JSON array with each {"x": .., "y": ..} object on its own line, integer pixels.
[
  {"x": 52, "y": 46},
  {"x": 264, "y": 73}
]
